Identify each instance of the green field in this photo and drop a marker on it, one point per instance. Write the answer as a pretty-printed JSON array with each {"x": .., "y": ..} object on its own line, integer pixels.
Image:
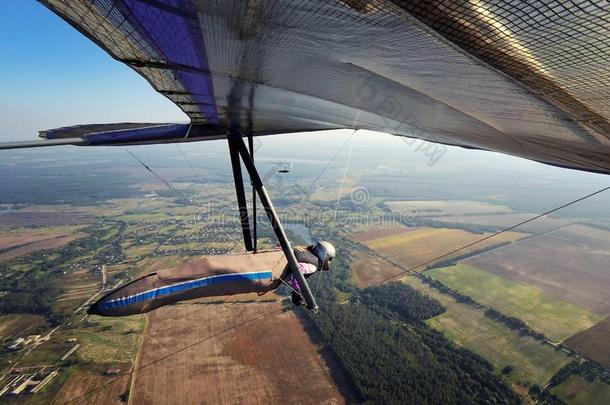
[
  {"x": 467, "y": 326},
  {"x": 577, "y": 391},
  {"x": 556, "y": 319},
  {"x": 108, "y": 340}
]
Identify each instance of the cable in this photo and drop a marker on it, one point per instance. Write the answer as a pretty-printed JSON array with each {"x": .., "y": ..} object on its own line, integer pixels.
[
  {"x": 167, "y": 183},
  {"x": 340, "y": 191},
  {"x": 407, "y": 270},
  {"x": 338, "y": 203},
  {"x": 313, "y": 183},
  {"x": 177, "y": 192},
  {"x": 187, "y": 160}
]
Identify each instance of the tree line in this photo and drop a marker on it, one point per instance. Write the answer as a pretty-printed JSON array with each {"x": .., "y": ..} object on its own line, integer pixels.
[{"x": 393, "y": 357}]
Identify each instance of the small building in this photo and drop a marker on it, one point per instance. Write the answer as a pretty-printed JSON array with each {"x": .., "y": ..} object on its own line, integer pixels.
[
  {"x": 69, "y": 352},
  {"x": 16, "y": 345},
  {"x": 30, "y": 340},
  {"x": 24, "y": 385},
  {"x": 45, "y": 381}
]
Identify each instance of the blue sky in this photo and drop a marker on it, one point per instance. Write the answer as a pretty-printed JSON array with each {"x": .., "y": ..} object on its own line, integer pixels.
[{"x": 51, "y": 76}]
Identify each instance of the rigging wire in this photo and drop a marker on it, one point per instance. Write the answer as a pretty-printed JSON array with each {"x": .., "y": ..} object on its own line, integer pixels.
[
  {"x": 187, "y": 161},
  {"x": 166, "y": 182},
  {"x": 510, "y": 228},
  {"x": 265, "y": 314},
  {"x": 332, "y": 159},
  {"x": 339, "y": 193},
  {"x": 235, "y": 241}
]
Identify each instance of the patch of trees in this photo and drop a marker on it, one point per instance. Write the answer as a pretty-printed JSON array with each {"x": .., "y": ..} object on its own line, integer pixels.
[
  {"x": 510, "y": 321},
  {"x": 401, "y": 300},
  {"x": 459, "y": 297},
  {"x": 478, "y": 229},
  {"x": 588, "y": 370},
  {"x": 514, "y": 324},
  {"x": 36, "y": 290},
  {"x": 33, "y": 298},
  {"x": 389, "y": 362}
]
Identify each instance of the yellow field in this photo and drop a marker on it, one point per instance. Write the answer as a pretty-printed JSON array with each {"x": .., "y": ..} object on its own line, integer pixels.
[{"x": 420, "y": 245}]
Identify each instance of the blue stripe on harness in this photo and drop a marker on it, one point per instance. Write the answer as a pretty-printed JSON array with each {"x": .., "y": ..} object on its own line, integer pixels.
[{"x": 184, "y": 286}]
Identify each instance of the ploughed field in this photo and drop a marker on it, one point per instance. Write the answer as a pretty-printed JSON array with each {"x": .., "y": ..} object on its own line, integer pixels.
[
  {"x": 186, "y": 359},
  {"x": 90, "y": 387},
  {"x": 594, "y": 342},
  {"x": 46, "y": 243},
  {"x": 369, "y": 269},
  {"x": 571, "y": 264}
]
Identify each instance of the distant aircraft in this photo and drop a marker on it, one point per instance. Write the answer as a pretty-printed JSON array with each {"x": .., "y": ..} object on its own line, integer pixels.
[{"x": 532, "y": 82}]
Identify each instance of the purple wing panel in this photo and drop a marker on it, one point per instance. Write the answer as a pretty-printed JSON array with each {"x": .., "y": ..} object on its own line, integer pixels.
[{"x": 175, "y": 34}]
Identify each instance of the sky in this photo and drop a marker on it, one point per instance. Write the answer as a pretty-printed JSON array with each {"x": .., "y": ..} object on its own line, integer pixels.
[{"x": 52, "y": 76}]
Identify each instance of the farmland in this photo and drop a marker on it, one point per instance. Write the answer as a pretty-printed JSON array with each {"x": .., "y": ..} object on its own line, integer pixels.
[
  {"x": 378, "y": 233},
  {"x": 418, "y": 245},
  {"x": 593, "y": 342},
  {"x": 15, "y": 325},
  {"x": 570, "y": 264},
  {"x": 43, "y": 244},
  {"x": 541, "y": 225},
  {"x": 542, "y": 312},
  {"x": 108, "y": 340},
  {"x": 467, "y": 326},
  {"x": 50, "y": 218},
  {"x": 370, "y": 269},
  {"x": 578, "y": 391},
  {"x": 83, "y": 387},
  {"x": 252, "y": 364},
  {"x": 432, "y": 208},
  {"x": 129, "y": 236}
]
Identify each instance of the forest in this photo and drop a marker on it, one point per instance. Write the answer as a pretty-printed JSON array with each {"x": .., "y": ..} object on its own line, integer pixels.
[{"x": 393, "y": 357}]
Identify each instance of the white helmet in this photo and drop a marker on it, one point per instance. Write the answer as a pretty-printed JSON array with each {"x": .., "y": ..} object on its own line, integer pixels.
[{"x": 325, "y": 252}]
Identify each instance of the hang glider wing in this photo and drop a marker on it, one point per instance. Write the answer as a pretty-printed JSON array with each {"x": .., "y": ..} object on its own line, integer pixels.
[{"x": 528, "y": 79}]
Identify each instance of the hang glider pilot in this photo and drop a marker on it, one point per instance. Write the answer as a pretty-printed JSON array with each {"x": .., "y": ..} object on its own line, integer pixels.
[{"x": 215, "y": 276}]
